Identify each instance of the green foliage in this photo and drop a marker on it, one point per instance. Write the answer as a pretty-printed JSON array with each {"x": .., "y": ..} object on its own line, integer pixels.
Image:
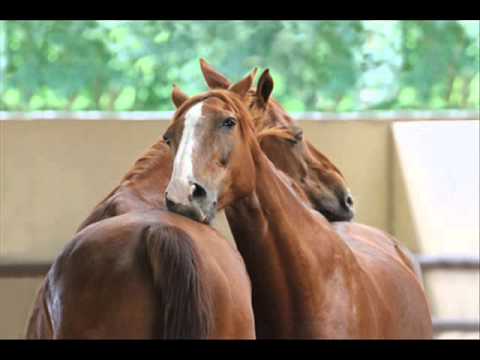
[{"x": 316, "y": 65}]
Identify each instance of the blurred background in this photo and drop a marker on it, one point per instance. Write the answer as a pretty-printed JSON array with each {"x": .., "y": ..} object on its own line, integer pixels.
[
  {"x": 395, "y": 104},
  {"x": 317, "y": 65}
]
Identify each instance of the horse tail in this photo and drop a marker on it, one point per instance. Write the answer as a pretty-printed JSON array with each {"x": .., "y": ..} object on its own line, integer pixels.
[{"x": 184, "y": 310}]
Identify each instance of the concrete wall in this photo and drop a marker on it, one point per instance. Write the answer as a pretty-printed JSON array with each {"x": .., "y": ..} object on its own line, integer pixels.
[
  {"x": 436, "y": 201},
  {"x": 52, "y": 173},
  {"x": 438, "y": 166},
  {"x": 16, "y": 300}
]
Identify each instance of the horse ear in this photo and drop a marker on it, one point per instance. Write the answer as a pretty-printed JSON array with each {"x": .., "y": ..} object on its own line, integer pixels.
[
  {"x": 213, "y": 78},
  {"x": 265, "y": 87},
  {"x": 245, "y": 84},
  {"x": 178, "y": 96}
]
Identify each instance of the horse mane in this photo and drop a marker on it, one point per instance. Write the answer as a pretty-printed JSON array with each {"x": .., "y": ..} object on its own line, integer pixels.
[
  {"x": 284, "y": 133},
  {"x": 153, "y": 157},
  {"x": 150, "y": 159},
  {"x": 279, "y": 132},
  {"x": 323, "y": 160}
]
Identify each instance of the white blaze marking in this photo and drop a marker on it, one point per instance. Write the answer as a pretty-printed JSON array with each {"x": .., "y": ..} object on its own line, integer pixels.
[{"x": 183, "y": 164}]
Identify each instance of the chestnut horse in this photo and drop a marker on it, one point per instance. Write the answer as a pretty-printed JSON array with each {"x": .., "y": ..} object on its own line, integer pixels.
[
  {"x": 308, "y": 282},
  {"x": 134, "y": 270},
  {"x": 311, "y": 171}
]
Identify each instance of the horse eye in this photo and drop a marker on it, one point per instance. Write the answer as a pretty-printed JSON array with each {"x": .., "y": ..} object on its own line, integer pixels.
[{"x": 229, "y": 122}]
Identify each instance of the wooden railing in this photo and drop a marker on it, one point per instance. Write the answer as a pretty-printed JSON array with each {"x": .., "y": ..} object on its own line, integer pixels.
[
  {"x": 461, "y": 325},
  {"x": 451, "y": 262},
  {"x": 24, "y": 270},
  {"x": 448, "y": 262}
]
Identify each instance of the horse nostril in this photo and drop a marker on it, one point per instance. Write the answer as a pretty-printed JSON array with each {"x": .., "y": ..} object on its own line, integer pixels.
[
  {"x": 349, "y": 200},
  {"x": 198, "y": 191}
]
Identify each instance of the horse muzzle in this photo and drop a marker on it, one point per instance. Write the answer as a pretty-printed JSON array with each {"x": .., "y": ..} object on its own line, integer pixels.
[{"x": 191, "y": 200}]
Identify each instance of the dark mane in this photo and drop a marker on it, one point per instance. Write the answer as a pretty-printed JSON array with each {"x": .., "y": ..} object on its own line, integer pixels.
[{"x": 323, "y": 160}]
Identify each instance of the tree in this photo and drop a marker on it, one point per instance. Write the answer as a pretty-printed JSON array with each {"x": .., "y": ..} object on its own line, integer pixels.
[{"x": 316, "y": 65}]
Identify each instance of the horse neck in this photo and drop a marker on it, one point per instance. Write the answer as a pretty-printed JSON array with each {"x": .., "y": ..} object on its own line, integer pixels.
[{"x": 286, "y": 247}]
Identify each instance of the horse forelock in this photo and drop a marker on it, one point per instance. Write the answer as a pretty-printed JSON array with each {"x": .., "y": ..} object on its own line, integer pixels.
[{"x": 278, "y": 132}]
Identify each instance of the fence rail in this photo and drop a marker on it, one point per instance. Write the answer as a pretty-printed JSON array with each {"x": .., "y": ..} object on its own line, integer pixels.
[
  {"x": 448, "y": 262},
  {"x": 460, "y": 325},
  {"x": 24, "y": 270},
  {"x": 451, "y": 263}
]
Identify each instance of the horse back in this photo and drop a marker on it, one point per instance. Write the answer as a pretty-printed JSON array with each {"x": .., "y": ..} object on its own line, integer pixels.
[
  {"x": 145, "y": 270},
  {"x": 389, "y": 281}
]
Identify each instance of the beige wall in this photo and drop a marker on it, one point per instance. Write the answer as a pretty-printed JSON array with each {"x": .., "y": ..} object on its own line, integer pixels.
[
  {"x": 16, "y": 300},
  {"x": 52, "y": 173}
]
